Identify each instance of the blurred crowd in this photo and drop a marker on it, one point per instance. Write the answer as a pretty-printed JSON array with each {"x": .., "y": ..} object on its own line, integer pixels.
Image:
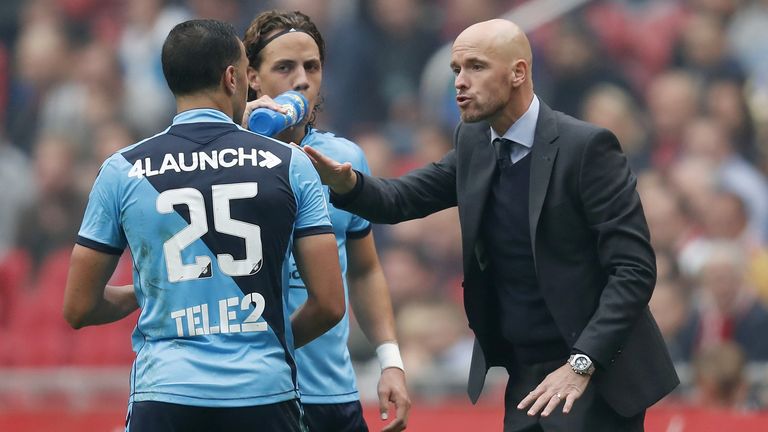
[{"x": 682, "y": 83}]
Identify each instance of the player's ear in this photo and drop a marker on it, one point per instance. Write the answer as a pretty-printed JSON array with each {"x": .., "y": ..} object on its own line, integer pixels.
[
  {"x": 254, "y": 82},
  {"x": 229, "y": 80}
]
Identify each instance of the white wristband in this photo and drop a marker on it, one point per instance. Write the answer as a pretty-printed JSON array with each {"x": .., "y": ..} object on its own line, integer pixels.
[{"x": 389, "y": 356}]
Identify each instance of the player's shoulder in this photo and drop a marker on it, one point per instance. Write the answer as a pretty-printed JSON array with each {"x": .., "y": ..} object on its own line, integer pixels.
[
  {"x": 325, "y": 139},
  {"x": 120, "y": 157},
  {"x": 137, "y": 148},
  {"x": 338, "y": 148}
]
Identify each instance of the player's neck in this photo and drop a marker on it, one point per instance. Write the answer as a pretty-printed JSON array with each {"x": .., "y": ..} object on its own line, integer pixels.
[
  {"x": 203, "y": 100},
  {"x": 294, "y": 134}
]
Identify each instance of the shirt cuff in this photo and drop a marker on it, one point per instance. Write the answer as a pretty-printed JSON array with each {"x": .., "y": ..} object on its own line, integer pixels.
[
  {"x": 313, "y": 230},
  {"x": 354, "y": 235},
  {"x": 341, "y": 200},
  {"x": 98, "y": 246}
]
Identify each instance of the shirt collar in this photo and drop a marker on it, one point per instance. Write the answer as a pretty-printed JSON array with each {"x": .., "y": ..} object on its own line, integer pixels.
[
  {"x": 523, "y": 130},
  {"x": 309, "y": 136},
  {"x": 201, "y": 115}
]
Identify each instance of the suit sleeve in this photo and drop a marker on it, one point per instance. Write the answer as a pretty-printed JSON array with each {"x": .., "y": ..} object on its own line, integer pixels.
[
  {"x": 417, "y": 194},
  {"x": 359, "y": 227},
  {"x": 615, "y": 215}
]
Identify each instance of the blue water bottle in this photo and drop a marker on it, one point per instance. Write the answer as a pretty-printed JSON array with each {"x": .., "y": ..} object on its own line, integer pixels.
[{"x": 267, "y": 122}]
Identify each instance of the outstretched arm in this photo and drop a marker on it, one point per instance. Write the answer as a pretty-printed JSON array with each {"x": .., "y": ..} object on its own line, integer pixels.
[{"x": 417, "y": 194}]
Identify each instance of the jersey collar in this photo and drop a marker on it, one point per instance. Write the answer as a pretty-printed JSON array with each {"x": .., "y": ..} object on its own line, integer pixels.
[{"x": 201, "y": 115}]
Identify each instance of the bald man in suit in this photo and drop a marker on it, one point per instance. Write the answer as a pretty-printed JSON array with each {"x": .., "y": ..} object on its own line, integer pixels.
[{"x": 558, "y": 266}]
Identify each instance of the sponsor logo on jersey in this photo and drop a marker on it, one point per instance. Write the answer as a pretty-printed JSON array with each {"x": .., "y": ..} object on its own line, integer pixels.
[
  {"x": 199, "y": 321},
  {"x": 201, "y": 161}
]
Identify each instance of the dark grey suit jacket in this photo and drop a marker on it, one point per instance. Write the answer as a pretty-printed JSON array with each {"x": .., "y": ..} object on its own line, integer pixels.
[{"x": 591, "y": 246}]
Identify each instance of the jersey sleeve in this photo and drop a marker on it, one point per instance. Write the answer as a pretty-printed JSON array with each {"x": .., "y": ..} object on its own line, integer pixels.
[
  {"x": 101, "y": 229},
  {"x": 359, "y": 227},
  {"x": 312, "y": 211}
]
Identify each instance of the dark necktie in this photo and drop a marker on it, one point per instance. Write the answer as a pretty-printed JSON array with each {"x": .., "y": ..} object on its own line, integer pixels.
[{"x": 503, "y": 148}]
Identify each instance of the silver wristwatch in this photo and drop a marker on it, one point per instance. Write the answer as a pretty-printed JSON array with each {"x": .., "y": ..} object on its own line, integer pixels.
[{"x": 581, "y": 364}]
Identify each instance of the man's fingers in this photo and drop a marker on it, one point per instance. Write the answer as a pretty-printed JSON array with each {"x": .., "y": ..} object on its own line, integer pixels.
[
  {"x": 316, "y": 157},
  {"x": 554, "y": 401},
  {"x": 262, "y": 102},
  {"x": 313, "y": 160},
  {"x": 402, "y": 406},
  {"x": 397, "y": 425},
  {"x": 569, "y": 400},
  {"x": 319, "y": 156},
  {"x": 540, "y": 403},
  {"x": 339, "y": 176},
  {"x": 392, "y": 389},
  {"x": 528, "y": 400},
  {"x": 345, "y": 168},
  {"x": 384, "y": 412},
  {"x": 324, "y": 162},
  {"x": 384, "y": 404}
]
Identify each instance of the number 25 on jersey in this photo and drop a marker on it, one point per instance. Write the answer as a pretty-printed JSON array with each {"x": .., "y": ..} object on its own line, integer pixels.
[{"x": 198, "y": 226}]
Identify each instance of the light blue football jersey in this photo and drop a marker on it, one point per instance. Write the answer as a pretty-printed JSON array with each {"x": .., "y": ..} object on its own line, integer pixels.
[
  {"x": 325, "y": 368},
  {"x": 209, "y": 212}
]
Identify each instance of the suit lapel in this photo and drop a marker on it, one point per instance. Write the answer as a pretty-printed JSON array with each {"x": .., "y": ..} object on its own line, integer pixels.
[
  {"x": 480, "y": 173},
  {"x": 543, "y": 156}
]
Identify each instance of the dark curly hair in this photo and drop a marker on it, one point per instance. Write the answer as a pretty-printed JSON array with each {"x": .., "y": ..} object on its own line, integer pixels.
[{"x": 269, "y": 21}]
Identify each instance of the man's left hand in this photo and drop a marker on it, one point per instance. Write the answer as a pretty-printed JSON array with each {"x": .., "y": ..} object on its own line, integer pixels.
[
  {"x": 561, "y": 385},
  {"x": 392, "y": 389},
  {"x": 262, "y": 102}
]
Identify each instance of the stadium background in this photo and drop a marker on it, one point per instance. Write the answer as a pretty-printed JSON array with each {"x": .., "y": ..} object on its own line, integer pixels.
[{"x": 683, "y": 83}]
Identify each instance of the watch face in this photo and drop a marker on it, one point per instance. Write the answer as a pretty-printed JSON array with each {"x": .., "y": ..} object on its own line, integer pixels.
[{"x": 581, "y": 363}]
